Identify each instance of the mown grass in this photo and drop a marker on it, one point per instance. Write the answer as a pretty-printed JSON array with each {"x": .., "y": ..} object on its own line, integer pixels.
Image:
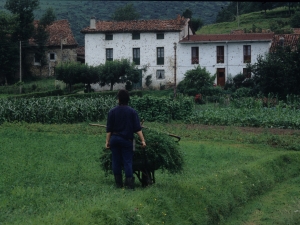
[
  {"x": 259, "y": 19},
  {"x": 51, "y": 175},
  {"x": 37, "y": 85}
]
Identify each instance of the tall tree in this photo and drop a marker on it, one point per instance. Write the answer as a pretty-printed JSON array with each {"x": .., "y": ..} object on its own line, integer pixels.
[
  {"x": 194, "y": 23},
  {"x": 127, "y": 12},
  {"x": 187, "y": 13},
  {"x": 23, "y": 12},
  {"x": 23, "y": 9},
  {"x": 41, "y": 36},
  {"x": 9, "y": 50}
]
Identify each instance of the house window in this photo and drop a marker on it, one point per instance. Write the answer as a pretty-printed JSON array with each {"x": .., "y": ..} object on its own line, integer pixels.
[
  {"x": 220, "y": 54},
  {"x": 160, "y": 74},
  {"x": 160, "y": 56},
  {"x": 37, "y": 60},
  {"x": 136, "y": 56},
  {"x": 160, "y": 36},
  {"x": 247, "y": 73},
  {"x": 135, "y": 36},
  {"x": 109, "y": 54},
  {"x": 195, "y": 55},
  {"x": 52, "y": 57},
  {"x": 247, "y": 53},
  {"x": 108, "y": 37}
]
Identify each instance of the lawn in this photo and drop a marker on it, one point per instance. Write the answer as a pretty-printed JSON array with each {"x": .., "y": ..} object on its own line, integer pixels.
[{"x": 51, "y": 175}]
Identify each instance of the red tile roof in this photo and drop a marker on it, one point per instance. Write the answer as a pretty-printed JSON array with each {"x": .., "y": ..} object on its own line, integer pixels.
[
  {"x": 291, "y": 40},
  {"x": 228, "y": 37},
  {"x": 138, "y": 26},
  {"x": 59, "y": 31}
]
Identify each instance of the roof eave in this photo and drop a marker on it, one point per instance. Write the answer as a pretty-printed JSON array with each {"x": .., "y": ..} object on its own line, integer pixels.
[{"x": 225, "y": 41}]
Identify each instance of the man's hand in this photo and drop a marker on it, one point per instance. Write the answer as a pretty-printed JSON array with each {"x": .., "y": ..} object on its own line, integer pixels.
[
  {"x": 107, "y": 145},
  {"x": 143, "y": 144}
]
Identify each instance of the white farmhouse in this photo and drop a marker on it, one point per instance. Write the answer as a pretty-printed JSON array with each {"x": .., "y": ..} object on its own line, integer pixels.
[
  {"x": 149, "y": 43},
  {"x": 168, "y": 48},
  {"x": 222, "y": 54}
]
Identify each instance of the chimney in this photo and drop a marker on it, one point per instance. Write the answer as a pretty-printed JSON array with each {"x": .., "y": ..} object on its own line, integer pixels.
[
  {"x": 93, "y": 23},
  {"x": 281, "y": 41}
]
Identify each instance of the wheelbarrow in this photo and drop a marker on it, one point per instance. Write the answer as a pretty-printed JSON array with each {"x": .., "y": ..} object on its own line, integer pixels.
[{"x": 144, "y": 166}]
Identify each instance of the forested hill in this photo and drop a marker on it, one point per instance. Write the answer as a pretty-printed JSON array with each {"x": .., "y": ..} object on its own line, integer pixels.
[{"x": 78, "y": 13}]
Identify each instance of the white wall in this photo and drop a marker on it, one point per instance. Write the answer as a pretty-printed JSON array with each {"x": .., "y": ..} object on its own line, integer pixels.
[
  {"x": 233, "y": 56},
  {"x": 122, "y": 44}
]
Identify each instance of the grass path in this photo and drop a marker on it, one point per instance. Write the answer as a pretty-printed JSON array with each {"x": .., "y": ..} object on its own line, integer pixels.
[{"x": 50, "y": 175}]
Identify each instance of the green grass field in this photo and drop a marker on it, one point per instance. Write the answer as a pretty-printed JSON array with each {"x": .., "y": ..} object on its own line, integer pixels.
[
  {"x": 259, "y": 19},
  {"x": 50, "y": 174}
]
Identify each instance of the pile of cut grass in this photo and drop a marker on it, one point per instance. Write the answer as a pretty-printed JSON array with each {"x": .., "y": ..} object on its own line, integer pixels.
[{"x": 51, "y": 175}]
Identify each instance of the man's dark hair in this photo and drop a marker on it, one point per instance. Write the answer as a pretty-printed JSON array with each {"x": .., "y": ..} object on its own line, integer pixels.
[{"x": 123, "y": 97}]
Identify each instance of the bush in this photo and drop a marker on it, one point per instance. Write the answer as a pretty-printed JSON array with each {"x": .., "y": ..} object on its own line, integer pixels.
[
  {"x": 242, "y": 92},
  {"x": 238, "y": 80},
  {"x": 195, "y": 80}
]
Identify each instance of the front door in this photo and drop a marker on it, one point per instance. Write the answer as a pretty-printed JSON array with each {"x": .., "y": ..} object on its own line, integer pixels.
[
  {"x": 138, "y": 85},
  {"x": 221, "y": 77}
]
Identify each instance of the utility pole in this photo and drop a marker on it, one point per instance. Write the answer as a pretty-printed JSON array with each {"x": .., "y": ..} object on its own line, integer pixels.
[
  {"x": 237, "y": 14},
  {"x": 175, "y": 67},
  {"x": 20, "y": 67}
]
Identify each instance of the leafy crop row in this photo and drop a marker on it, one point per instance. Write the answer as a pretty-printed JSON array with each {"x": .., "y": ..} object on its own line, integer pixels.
[
  {"x": 163, "y": 109},
  {"x": 74, "y": 110},
  {"x": 253, "y": 117},
  {"x": 55, "y": 109}
]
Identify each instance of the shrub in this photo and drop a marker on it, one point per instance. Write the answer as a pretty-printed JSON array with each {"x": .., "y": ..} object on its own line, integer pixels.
[
  {"x": 242, "y": 92},
  {"x": 238, "y": 80},
  {"x": 196, "y": 80}
]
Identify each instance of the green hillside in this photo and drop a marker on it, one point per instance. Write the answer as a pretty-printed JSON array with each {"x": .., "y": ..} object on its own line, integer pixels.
[
  {"x": 78, "y": 13},
  {"x": 278, "y": 17}
]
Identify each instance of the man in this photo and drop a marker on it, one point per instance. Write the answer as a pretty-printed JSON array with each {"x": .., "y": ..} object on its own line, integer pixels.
[{"x": 122, "y": 123}]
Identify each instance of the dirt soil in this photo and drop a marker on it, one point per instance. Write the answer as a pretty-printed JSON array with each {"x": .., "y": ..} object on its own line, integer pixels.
[{"x": 257, "y": 130}]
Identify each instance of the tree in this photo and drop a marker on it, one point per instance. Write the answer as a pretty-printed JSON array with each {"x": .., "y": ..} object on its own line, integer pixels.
[
  {"x": 187, "y": 13},
  {"x": 9, "y": 50},
  {"x": 295, "y": 20},
  {"x": 41, "y": 36},
  {"x": 278, "y": 72},
  {"x": 196, "y": 24},
  {"x": 69, "y": 73},
  {"x": 225, "y": 16},
  {"x": 195, "y": 81},
  {"x": 128, "y": 12},
  {"x": 89, "y": 75},
  {"x": 118, "y": 71},
  {"x": 48, "y": 18},
  {"x": 23, "y": 13}
]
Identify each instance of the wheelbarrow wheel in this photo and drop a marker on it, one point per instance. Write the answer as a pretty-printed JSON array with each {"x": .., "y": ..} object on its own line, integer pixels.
[{"x": 147, "y": 178}]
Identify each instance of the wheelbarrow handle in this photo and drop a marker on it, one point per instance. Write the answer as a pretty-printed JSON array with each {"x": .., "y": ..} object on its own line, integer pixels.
[
  {"x": 171, "y": 135},
  {"x": 98, "y": 125},
  {"x": 175, "y": 136}
]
